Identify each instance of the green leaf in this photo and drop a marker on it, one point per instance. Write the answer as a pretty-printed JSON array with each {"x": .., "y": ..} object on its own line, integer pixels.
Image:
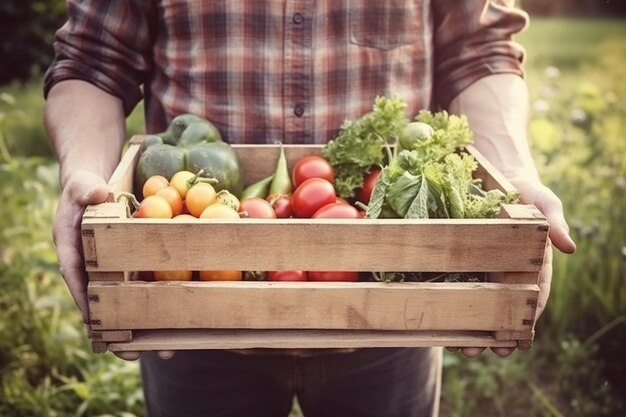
[
  {"x": 377, "y": 199},
  {"x": 419, "y": 206}
]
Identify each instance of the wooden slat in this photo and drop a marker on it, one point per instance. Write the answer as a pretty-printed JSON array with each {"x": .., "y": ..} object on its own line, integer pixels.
[
  {"x": 321, "y": 244},
  {"x": 514, "y": 277},
  {"x": 105, "y": 211},
  {"x": 108, "y": 276},
  {"x": 123, "y": 176},
  {"x": 311, "y": 305},
  {"x": 111, "y": 335},
  {"x": 491, "y": 178},
  {"x": 301, "y": 339},
  {"x": 521, "y": 212}
]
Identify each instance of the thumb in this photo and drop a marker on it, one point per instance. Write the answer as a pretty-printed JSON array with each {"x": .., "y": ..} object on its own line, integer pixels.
[
  {"x": 550, "y": 205},
  {"x": 87, "y": 188}
]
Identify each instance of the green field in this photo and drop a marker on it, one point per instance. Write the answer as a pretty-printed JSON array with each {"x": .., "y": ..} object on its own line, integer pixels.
[{"x": 575, "y": 367}]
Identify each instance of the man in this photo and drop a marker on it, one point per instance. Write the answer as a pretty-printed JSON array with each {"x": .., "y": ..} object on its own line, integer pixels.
[{"x": 292, "y": 70}]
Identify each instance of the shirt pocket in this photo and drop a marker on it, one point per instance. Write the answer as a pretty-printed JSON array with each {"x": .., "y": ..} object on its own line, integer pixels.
[{"x": 385, "y": 24}]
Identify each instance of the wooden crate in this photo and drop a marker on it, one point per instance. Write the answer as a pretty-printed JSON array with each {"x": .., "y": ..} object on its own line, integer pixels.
[{"x": 138, "y": 315}]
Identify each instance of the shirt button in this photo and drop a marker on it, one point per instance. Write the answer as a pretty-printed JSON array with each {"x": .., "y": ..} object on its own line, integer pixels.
[
  {"x": 298, "y": 110},
  {"x": 297, "y": 18}
]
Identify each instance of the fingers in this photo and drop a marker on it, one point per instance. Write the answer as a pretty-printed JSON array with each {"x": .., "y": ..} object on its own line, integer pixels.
[
  {"x": 128, "y": 356},
  {"x": 551, "y": 207},
  {"x": 134, "y": 355},
  {"x": 545, "y": 280},
  {"x": 81, "y": 189},
  {"x": 472, "y": 352},
  {"x": 165, "y": 354}
]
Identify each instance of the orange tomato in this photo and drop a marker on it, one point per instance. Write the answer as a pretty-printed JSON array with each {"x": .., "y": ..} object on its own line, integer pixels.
[
  {"x": 220, "y": 275},
  {"x": 154, "y": 184},
  {"x": 180, "y": 181},
  {"x": 215, "y": 211},
  {"x": 199, "y": 197},
  {"x": 173, "y": 197},
  {"x": 173, "y": 275},
  {"x": 154, "y": 206}
]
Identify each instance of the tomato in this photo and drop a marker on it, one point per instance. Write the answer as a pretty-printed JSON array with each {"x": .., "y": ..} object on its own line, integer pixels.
[
  {"x": 173, "y": 197},
  {"x": 219, "y": 211},
  {"x": 184, "y": 217},
  {"x": 257, "y": 207},
  {"x": 180, "y": 181},
  {"x": 282, "y": 207},
  {"x": 154, "y": 206},
  {"x": 364, "y": 193},
  {"x": 199, "y": 197},
  {"x": 154, "y": 184},
  {"x": 227, "y": 198},
  {"x": 336, "y": 211},
  {"x": 333, "y": 276},
  {"x": 173, "y": 275},
  {"x": 286, "y": 276},
  {"x": 311, "y": 195},
  {"x": 341, "y": 200},
  {"x": 311, "y": 167},
  {"x": 220, "y": 275}
]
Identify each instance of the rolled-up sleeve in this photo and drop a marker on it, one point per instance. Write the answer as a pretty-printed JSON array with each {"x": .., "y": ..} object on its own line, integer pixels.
[
  {"x": 474, "y": 39},
  {"x": 106, "y": 43}
]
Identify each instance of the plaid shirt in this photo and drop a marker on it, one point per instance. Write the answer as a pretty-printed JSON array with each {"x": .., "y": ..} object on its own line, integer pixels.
[{"x": 291, "y": 70}]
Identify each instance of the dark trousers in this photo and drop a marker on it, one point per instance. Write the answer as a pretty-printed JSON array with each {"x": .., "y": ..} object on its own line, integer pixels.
[{"x": 366, "y": 382}]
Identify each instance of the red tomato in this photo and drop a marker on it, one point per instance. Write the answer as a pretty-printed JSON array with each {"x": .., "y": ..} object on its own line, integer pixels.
[
  {"x": 311, "y": 167},
  {"x": 286, "y": 276},
  {"x": 364, "y": 193},
  {"x": 282, "y": 207},
  {"x": 312, "y": 195},
  {"x": 333, "y": 276},
  {"x": 341, "y": 200},
  {"x": 257, "y": 207},
  {"x": 336, "y": 211}
]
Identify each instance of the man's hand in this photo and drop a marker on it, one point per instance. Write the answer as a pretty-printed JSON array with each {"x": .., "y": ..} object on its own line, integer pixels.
[
  {"x": 497, "y": 110},
  {"x": 81, "y": 189},
  {"x": 551, "y": 207}
]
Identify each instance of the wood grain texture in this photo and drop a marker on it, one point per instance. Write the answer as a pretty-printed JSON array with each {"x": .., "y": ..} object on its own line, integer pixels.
[
  {"x": 301, "y": 339},
  {"x": 491, "y": 178},
  {"x": 311, "y": 305},
  {"x": 321, "y": 244},
  {"x": 123, "y": 176}
]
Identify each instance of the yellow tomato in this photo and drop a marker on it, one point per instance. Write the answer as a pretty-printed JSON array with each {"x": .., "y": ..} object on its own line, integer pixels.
[
  {"x": 182, "y": 217},
  {"x": 180, "y": 181},
  {"x": 173, "y": 197},
  {"x": 228, "y": 199},
  {"x": 154, "y": 206},
  {"x": 220, "y": 275},
  {"x": 199, "y": 197},
  {"x": 154, "y": 184},
  {"x": 219, "y": 211}
]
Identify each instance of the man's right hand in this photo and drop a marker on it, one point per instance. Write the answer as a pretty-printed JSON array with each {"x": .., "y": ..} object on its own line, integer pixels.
[{"x": 82, "y": 188}]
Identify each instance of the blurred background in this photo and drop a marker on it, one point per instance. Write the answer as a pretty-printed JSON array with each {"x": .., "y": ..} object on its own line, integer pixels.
[{"x": 576, "y": 71}]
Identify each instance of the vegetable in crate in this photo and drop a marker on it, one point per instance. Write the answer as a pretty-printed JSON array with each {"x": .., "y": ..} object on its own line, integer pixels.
[
  {"x": 429, "y": 179},
  {"x": 190, "y": 143},
  {"x": 363, "y": 144}
]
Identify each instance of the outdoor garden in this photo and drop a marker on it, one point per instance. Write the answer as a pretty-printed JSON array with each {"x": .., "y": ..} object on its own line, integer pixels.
[{"x": 576, "y": 72}]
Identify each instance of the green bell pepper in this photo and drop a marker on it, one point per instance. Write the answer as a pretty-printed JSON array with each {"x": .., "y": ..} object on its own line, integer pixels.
[{"x": 190, "y": 143}]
